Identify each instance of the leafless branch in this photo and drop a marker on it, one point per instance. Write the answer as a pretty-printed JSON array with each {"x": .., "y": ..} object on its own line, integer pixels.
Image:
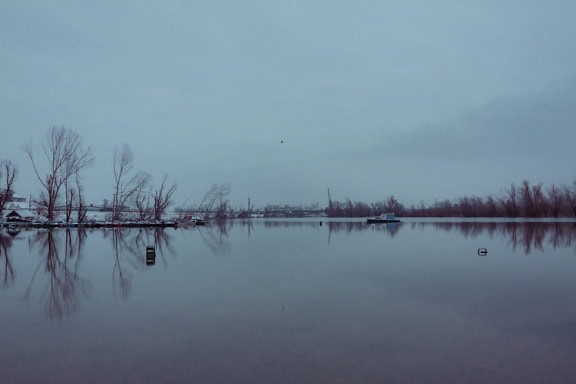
[{"x": 66, "y": 156}]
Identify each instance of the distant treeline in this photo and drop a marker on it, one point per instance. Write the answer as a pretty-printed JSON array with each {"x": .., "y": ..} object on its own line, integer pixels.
[{"x": 526, "y": 200}]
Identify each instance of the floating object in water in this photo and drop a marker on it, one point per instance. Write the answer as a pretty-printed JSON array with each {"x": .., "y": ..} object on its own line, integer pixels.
[{"x": 150, "y": 255}]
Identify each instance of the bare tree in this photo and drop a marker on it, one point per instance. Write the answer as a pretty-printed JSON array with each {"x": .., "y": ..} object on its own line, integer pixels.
[
  {"x": 209, "y": 198},
  {"x": 540, "y": 200},
  {"x": 162, "y": 197},
  {"x": 69, "y": 199},
  {"x": 511, "y": 204},
  {"x": 527, "y": 199},
  {"x": 126, "y": 187},
  {"x": 216, "y": 194},
  {"x": 66, "y": 156},
  {"x": 81, "y": 206},
  {"x": 570, "y": 197},
  {"x": 8, "y": 174},
  {"x": 555, "y": 199},
  {"x": 491, "y": 207},
  {"x": 393, "y": 205},
  {"x": 142, "y": 202}
]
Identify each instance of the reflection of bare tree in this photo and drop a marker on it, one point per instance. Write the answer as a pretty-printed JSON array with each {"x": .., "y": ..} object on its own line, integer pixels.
[
  {"x": 8, "y": 270},
  {"x": 129, "y": 251},
  {"x": 530, "y": 234},
  {"x": 215, "y": 236},
  {"x": 511, "y": 230},
  {"x": 121, "y": 279},
  {"x": 66, "y": 287},
  {"x": 244, "y": 223},
  {"x": 157, "y": 236},
  {"x": 562, "y": 235},
  {"x": 533, "y": 236}
]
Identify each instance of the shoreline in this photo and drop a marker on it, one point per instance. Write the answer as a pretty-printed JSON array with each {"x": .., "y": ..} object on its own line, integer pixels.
[{"x": 147, "y": 224}]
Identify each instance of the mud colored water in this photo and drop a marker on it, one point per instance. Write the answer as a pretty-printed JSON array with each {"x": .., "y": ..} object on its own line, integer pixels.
[{"x": 291, "y": 302}]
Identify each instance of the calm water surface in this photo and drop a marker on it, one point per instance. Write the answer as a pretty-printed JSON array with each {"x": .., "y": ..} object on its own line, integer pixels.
[{"x": 291, "y": 302}]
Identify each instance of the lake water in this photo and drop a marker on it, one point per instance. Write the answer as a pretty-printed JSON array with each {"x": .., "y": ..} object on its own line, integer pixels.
[{"x": 293, "y": 301}]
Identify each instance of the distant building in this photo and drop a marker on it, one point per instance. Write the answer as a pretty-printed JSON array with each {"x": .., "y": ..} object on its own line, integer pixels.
[
  {"x": 12, "y": 197},
  {"x": 17, "y": 199},
  {"x": 21, "y": 215}
]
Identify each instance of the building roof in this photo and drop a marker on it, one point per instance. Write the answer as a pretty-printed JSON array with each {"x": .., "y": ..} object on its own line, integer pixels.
[{"x": 20, "y": 213}]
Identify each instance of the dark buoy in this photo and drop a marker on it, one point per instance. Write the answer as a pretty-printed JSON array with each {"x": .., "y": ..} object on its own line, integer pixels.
[
  {"x": 150, "y": 255},
  {"x": 320, "y": 223}
]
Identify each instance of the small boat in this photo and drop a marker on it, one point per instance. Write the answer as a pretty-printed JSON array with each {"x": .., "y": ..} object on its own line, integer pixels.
[{"x": 383, "y": 218}]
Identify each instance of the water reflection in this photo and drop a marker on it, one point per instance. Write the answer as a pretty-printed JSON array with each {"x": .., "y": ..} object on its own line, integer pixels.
[
  {"x": 527, "y": 235},
  {"x": 390, "y": 229},
  {"x": 332, "y": 226},
  {"x": 65, "y": 286},
  {"x": 129, "y": 245},
  {"x": 521, "y": 235},
  {"x": 8, "y": 274},
  {"x": 288, "y": 223},
  {"x": 215, "y": 236},
  {"x": 58, "y": 280}
]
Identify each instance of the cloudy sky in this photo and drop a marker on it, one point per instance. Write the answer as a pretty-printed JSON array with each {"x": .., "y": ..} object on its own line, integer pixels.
[{"x": 425, "y": 100}]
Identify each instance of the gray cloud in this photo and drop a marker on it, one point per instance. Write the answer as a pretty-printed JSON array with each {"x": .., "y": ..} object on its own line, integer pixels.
[{"x": 422, "y": 100}]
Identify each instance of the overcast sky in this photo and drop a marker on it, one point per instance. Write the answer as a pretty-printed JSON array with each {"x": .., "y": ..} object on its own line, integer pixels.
[{"x": 425, "y": 100}]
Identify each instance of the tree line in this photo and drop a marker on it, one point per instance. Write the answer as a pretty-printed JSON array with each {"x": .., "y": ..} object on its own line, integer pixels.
[
  {"x": 63, "y": 158},
  {"x": 525, "y": 200}
]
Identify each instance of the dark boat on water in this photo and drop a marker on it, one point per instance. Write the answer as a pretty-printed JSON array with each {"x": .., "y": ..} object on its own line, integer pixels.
[{"x": 383, "y": 218}]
